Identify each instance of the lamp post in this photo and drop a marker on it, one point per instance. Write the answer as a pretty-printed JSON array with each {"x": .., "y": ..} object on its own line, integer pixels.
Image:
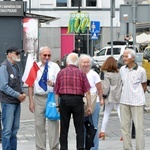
[
  {"x": 112, "y": 4},
  {"x": 134, "y": 9},
  {"x": 79, "y": 40}
]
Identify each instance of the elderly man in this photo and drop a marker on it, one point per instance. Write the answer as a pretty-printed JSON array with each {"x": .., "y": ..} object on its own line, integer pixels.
[
  {"x": 37, "y": 105},
  {"x": 71, "y": 85},
  {"x": 132, "y": 99},
  {"x": 11, "y": 95}
]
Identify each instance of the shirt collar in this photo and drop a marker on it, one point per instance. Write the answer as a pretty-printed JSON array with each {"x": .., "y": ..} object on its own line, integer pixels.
[
  {"x": 40, "y": 64},
  {"x": 134, "y": 68},
  {"x": 72, "y": 66}
]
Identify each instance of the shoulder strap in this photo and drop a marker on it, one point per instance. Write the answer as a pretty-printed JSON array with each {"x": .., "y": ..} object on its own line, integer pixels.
[{"x": 102, "y": 75}]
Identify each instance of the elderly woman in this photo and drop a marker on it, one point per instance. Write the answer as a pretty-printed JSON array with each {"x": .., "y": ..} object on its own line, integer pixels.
[{"x": 96, "y": 88}]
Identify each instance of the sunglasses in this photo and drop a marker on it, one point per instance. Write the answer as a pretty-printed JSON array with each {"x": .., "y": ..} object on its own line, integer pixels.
[
  {"x": 47, "y": 55},
  {"x": 17, "y": 53}
]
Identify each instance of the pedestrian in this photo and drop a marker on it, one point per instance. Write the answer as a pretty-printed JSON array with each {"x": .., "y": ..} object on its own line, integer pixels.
[
  {"x": 11, "y": 95},
  {"x": 85, "y": 63},
  {"x": 132, "y": 100},
  {"x": 38, "y": 102},
  {"x": 112, "y": 99},
  {"x": 71, "y": 85}
]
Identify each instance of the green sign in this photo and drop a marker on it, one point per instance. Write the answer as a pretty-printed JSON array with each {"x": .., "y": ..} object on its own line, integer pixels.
[{"x": 78, "y": 22}]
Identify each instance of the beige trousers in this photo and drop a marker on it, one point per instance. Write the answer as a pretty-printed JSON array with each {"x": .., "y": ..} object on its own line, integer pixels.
[
  {"x": 129, "y": 113},
  {"x": 40, "y": 126}
]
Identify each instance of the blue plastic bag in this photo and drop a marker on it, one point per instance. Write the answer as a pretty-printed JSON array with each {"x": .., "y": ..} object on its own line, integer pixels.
[{"x": 51, "y": 111}]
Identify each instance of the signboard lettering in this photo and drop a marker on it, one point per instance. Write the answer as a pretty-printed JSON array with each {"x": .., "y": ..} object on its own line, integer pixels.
[{"x": 11, "y": 8}]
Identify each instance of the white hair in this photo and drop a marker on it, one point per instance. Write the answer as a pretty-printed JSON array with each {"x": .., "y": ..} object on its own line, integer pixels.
[
  {"x": 131, "y": 51},
  {"x": 72, "y": 59},
  {"x": 44, "y": 47},
  {"x": 83, "y": 57}
]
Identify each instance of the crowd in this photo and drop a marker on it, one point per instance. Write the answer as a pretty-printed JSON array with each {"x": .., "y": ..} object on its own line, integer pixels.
[{"x": 79, "y": 92}]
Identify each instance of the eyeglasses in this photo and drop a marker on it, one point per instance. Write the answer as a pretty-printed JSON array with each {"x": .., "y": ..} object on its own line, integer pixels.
[{"x": 45, "y": 55}]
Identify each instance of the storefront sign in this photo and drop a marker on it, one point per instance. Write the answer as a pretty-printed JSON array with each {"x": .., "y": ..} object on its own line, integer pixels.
[{"x": 11, "y": 8}]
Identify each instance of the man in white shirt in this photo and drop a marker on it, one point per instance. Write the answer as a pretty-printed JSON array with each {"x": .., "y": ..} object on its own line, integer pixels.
[
  {"x": 132, "y": 99},
  {"x": 37, "y": 104}
]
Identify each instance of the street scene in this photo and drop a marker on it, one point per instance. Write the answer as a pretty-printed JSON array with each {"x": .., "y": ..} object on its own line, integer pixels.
[
  {"x": 59, "y": 54},
  {"x": 26, "y": 134}
]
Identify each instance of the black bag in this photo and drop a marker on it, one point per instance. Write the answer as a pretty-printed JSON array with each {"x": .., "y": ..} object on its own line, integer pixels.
[{"x": 90, "y": 133}]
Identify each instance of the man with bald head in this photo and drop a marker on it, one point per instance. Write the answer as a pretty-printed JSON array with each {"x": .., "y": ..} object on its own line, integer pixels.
[
  {"x": 132, "y": 99},
  {"x": 71, "y": 85}
]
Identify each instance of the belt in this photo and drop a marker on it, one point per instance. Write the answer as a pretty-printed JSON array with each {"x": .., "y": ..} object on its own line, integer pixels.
[
  {"x": 75, "y": 95},
  {"x": 42, "y": 95}
]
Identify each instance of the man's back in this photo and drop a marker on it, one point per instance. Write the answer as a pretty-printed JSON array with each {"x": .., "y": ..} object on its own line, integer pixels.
[{"x": 71, "y": 80}]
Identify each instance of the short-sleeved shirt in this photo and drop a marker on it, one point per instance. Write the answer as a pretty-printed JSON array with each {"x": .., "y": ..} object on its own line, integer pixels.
[
  {"x": 93, "y": 79},
  {"x": 53, "y": 70},
  {"x": 132, "y": 90},
  {"x": 71, "y": 80}
]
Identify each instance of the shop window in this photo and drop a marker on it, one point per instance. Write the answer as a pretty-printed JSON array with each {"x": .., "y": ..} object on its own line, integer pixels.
[
  {"x": 90, "y": 3},
  {"x": 61, "y": 3},
  {"x": 76, "y": 3}
]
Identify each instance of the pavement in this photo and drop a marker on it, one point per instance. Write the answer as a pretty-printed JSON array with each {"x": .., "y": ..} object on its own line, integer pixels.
[{"x": 26, "y": 134}]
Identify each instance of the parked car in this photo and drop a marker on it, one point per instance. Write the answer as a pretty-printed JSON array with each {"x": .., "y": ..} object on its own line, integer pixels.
[
  {"x": 146, "y": 62},
  {"x": 95, "y": 65},
  {"x": 118, "y": 48},
  {"x": 139, "y": 57}
]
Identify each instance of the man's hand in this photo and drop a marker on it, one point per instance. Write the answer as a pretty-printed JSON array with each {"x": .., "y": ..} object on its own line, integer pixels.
[
  {"x": 88, "y": 111},
  {"x": 50, "y": 83},
  {"x": 31, "y": 107},
  {"x": 22, "y": 97}
]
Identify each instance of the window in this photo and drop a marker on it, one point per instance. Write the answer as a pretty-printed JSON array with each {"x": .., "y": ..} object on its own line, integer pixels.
[
  {"x": 116, "y": 51},
  {"x": 61, "y": 3},
  {"x": 91, "y": 3},
  {"x": 101, "y": 53},
  {"x": 109, "y": 51},
  {"x": 76, "y": 3}
]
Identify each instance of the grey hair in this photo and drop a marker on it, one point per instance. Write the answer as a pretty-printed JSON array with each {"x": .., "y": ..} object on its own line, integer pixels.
[
  {"x": 84, "y": 56},
  {"x": 72, "y": 59},
  {"x": 131, "y": 51},
  {"x": 44, "y": 47}
]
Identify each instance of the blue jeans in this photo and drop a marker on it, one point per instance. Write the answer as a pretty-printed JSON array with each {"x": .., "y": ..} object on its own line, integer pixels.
[
  {"x": 10, "y": 122},
  {"x": 95, "y": 118}
]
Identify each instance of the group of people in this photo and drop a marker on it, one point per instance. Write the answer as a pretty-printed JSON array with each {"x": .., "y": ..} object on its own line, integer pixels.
[{"x": 125, "y": 90}]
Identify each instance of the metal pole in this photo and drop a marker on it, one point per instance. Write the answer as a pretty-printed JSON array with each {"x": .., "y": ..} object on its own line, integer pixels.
[
  {"x": 88, "y": 50},
  {"x": 79, "y": 49},
  {"x": 92, "y": 43},
  {"x": 112, "y": 4},
  {"x": 134, "y": 23},
  {"x": 29, "y": 6}
]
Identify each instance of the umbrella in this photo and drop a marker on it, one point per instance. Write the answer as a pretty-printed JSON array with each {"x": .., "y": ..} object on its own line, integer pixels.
[{"x": 90, "y": 134}]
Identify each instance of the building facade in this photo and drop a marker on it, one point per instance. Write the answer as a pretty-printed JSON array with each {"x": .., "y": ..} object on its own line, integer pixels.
[{"x": 54, "y": 34}]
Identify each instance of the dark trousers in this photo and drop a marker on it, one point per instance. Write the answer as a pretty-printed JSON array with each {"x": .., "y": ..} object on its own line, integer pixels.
[{"x": 71, "y": 104}]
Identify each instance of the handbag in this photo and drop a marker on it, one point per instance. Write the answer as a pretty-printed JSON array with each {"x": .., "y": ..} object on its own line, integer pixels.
[
  {"x": 93, "y": 103},
  {"x": 51, "y": 111},
  {"x": 105, "y": 85},
  {"x": 90, "y": 133}
]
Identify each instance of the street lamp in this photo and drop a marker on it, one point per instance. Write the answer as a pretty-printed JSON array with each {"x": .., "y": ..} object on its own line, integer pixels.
[{"x": 134, "y": 7}]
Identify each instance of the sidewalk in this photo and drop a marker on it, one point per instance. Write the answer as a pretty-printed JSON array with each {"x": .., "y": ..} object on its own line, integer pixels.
[{"x": 26, "y": 134}]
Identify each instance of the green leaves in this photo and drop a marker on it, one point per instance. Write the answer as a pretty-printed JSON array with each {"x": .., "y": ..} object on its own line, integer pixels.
[{"x": 78, "y": 22}]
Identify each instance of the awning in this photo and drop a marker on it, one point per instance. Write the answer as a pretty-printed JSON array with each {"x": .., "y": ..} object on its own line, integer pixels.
[{"x": 42, "y": 18}]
